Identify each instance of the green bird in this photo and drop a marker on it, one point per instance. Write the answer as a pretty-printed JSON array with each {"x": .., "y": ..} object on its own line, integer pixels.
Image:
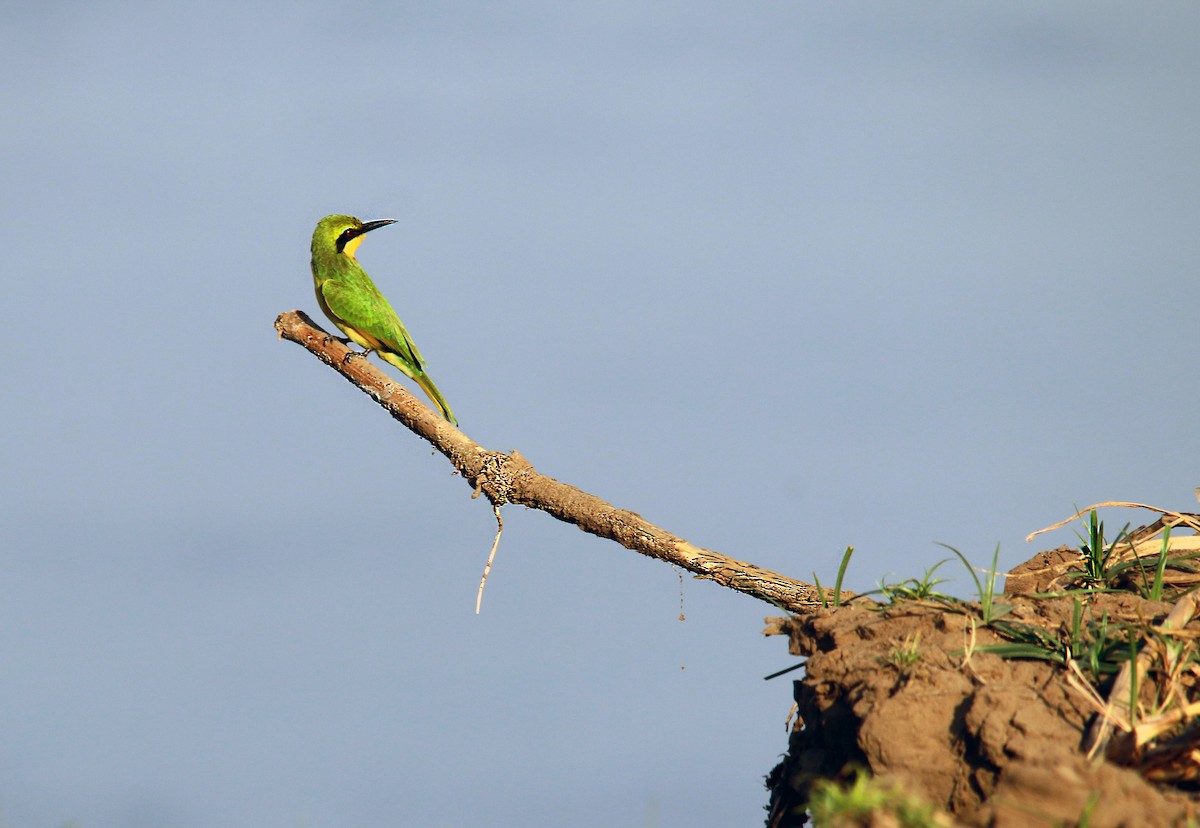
[{"x": 352, "y": 302}]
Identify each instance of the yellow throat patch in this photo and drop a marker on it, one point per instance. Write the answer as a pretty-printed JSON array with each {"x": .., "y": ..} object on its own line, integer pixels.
[{"x": 352, "y": 245}]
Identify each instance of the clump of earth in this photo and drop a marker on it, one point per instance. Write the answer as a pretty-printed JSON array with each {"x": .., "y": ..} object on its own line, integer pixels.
[{"x": 910, "y": 694}]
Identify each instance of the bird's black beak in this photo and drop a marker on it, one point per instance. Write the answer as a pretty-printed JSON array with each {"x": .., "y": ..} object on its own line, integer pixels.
[{"x": 374, "y": 225}]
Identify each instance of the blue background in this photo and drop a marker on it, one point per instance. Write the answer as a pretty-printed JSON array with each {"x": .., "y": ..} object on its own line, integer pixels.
[{"x": 781, "y": 277}]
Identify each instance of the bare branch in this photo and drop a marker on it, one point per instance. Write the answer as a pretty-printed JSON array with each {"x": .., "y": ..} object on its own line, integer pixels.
[{"x": 510, "y": 478}]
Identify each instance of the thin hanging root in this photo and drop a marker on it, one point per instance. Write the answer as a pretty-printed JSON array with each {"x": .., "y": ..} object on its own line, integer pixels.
[
  {"x": 487, "y": 568},
  {"x": 680, "y": 573}
]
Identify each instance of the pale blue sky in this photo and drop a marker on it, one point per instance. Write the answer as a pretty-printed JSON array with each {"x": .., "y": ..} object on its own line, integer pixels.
[{"x": 781, "y": 277}]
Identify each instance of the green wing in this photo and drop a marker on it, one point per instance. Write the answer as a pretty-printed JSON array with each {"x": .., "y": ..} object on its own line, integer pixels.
[{"x": 367, "y": 311}]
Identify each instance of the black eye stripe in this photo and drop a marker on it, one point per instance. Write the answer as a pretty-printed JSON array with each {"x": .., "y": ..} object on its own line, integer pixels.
[{"x": 346, "y": 236}]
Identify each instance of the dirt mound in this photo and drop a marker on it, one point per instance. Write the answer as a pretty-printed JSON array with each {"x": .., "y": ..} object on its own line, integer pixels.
[{"x": 913, "y": 694}]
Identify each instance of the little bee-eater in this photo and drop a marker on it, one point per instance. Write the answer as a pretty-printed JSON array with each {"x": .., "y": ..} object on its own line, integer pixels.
[{"x": 352, "y": 302}]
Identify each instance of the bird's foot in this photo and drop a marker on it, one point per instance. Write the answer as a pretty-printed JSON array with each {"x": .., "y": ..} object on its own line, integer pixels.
[
  {"x": 352, "y": 354},
  {"x": 345, "y": 340}
]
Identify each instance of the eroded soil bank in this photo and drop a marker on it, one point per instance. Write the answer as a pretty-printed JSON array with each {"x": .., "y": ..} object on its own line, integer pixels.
[{"x": 905, "y": 692}]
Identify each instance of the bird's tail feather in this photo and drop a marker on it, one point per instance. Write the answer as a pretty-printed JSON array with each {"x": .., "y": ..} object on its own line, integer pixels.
[
  {"x": 422, "y": 379},
  {"x": 434, "y": 394}
]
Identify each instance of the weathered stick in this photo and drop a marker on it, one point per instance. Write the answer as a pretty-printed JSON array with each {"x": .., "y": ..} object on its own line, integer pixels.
[{"x": 510, "y": 478}]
